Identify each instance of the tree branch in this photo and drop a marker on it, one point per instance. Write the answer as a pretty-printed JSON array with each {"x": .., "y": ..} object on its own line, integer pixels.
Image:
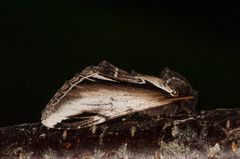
[{"x": 212, "y": 134}]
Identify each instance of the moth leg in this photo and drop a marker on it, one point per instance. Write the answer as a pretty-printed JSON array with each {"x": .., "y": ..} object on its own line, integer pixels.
[
  {"x": 188, "y": 107},
  {"x": 168, "y": 110}
]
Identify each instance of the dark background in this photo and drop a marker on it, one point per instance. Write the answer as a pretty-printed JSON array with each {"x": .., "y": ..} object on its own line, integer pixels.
[{"x": 43, "y": 43}]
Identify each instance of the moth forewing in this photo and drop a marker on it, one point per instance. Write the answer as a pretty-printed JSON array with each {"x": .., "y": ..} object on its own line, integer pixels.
[
  {"x": 104, "y": 92},
  {"x": 106, "y": 99},
  {"x": 158, "y": 82}
]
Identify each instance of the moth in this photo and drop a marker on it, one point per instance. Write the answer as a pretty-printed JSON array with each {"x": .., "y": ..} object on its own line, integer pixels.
[{"x": 104, "y": 92}]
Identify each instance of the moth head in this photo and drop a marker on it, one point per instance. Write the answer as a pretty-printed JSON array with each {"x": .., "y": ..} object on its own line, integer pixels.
[{"x": 177, "y": 84}]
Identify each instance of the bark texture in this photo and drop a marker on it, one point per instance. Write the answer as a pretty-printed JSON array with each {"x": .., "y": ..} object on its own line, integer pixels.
[{"x": 211, "y": 134}]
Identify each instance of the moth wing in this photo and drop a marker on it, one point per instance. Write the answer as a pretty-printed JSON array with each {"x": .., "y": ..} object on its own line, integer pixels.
[
  {"x": 108, "y": 70},
  {"x": 99, "y": 97}
]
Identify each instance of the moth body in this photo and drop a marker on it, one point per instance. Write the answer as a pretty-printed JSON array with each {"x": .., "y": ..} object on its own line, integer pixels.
[{"x": 104, "y": 92}]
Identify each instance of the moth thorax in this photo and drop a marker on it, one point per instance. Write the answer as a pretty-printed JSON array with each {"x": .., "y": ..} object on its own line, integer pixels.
[{"x": 177, "y": 85}]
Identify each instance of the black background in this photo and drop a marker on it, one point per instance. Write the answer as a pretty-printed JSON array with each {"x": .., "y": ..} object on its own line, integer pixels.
[{"x": 43, "y": 43}]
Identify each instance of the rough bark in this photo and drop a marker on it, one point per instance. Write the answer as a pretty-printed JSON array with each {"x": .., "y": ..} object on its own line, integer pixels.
[{"x": 212, "y": 134}]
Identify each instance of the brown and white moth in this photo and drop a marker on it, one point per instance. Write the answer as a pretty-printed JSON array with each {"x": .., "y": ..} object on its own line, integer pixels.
[{"x": 104, "y": 92}]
